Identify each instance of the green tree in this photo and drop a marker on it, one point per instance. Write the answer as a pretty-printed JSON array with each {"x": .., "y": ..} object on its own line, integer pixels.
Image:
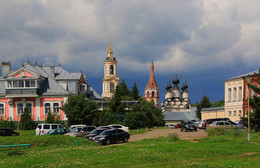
[
  {"x": 204, "y": 103},
  {"x": 50, "y": 118},
  {"x": 144, "y": 114},
  {"x": 255, "y": 105},
  {"x": 79, "y": 110},
  {"x": 123, "y": 89},
  {"x": 116, "y": 106},
  {"x": 135, "y": 92},
  {"x": 219, "y": 103},
  {"x": 107, "y": 118},
  {"x": 26, "y": 122}
]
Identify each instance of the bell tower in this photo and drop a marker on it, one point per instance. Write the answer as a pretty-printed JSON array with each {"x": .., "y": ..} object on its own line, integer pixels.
[
  {"x": 152, "y": 89},
  {"x": 110, "y": 80}
]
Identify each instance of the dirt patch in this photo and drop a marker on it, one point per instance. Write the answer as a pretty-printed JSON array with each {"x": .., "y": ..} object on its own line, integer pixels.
[{"x": 154, "y": 133}]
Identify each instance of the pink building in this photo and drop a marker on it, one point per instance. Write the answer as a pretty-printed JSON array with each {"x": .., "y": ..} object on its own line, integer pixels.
[{"x": 40, "y": 88}]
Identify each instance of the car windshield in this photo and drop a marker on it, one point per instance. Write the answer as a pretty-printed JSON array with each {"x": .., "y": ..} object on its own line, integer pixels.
[
  {"x": 76, "y": 130},
  {"x": 106, "y": 133},
  {"x": 189, "y": 122},
  {"x": 96, "y": 131}
]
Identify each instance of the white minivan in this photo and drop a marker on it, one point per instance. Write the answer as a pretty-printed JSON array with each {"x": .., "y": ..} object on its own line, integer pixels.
[{"x": 45, "y": 128}]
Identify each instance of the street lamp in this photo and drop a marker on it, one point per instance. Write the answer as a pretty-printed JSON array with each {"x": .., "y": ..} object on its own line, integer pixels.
[{"x": 248, "y": 81}]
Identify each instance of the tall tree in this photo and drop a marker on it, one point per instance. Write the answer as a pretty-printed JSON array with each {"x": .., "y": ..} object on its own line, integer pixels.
[
  {"x": 50, "y": 118},
  {"x": 116, "y": 106},
  {"x": 204, "y": 103},
  {"x": 135, "y": 92},
  {"x": 123, "y": 89},
  {"x": 26, "y": 122},
  {"x": 79, "y": 110}
]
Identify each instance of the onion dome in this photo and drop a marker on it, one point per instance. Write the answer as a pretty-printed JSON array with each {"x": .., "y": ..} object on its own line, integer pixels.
[
  {"x": 169, "y": 86},
  {"x": 175, "y": 81}
]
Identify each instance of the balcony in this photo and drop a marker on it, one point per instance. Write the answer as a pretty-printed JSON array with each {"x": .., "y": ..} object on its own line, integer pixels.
[{"x": 32, "y": 92}]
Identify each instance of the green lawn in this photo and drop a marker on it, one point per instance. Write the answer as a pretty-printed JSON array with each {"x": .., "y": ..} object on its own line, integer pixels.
[{"x": 61, "y": 151}]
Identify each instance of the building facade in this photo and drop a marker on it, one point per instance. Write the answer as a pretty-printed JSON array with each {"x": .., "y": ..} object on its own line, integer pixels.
[
  {"x": 152, "y": 89},
  {"x": 41, "y": 88},
  {"x": 110, "y": 80}
]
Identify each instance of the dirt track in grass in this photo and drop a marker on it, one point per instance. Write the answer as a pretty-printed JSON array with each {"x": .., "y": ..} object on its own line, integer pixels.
[{"x": 153, "y": 133}]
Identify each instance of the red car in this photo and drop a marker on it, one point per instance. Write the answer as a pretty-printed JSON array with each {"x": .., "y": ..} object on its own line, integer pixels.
[{"x": 177, "y": 125}]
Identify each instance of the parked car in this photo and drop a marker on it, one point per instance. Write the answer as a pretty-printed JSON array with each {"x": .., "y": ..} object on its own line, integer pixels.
[
  {"x": 75, "y": 126},
  {"x": 94, "y": 133},
  {"x": 61, "y": 131},
  {"x": 45, "y": 128},
  {"x": 81, "y": 131},
  {"x": 126, "y": 129},
  {"x": 188, "y": 126},
  {"x": 8, "y": 132},
  {"x": 178, "y": 125},
  {"x": 209, "y": 121},
  {"x": 200, "y": 126},
  {"x": 196, "y": 122},
  {"x": 171, "y": 126},
  {"x": 224, "y": 124},
  {"x": 111, "y": 136}
]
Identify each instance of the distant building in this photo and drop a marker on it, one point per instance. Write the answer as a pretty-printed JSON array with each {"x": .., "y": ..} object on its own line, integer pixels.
[
  {"x": 110, "y": 80},
  {"x": 152, "y": 89},
  {"x": 236, "y": 98},
  {"x": 173, "y": 101},
  {"x": 40, "y": 88}
]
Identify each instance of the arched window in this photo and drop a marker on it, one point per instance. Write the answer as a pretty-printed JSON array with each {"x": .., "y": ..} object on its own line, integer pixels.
[
  {"x": 56, "y": 108},
  {"x": 20, "y": 108},
  {"x": 147, "y": 94},
  {"x": 29, "y": 106},
  {"x": 152, "y": 94},
  {"x": 47, "y": 108},
  {"x": 2, "y": 110},
  {"x": 112, "y": 87},
  {"x": 111, "y": 69}
]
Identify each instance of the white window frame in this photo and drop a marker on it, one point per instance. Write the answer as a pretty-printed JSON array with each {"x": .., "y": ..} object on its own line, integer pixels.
[
  {"x": 3, "y": 109},
  {"x": 229, "y": 113},
  {"x": 51, "y": 107},
  {"x": 234, "y": 94},
  {"x": 234, "y": 113},
  {"x": 239, "y": 93},
  {"x": 239, "y": 112}
]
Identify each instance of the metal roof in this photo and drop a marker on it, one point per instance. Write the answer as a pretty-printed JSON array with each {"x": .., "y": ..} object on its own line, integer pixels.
[
  {"x": 244, "y": 75},
  {"x": 213, "y": 108},
  {"x": 180, "y": 116}
]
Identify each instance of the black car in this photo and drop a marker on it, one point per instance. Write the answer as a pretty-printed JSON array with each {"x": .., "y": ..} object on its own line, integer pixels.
[
  {"x": 111, "y": 136},
  {"x": 94, "y": 133},
  {"x": 8, "y": 132},
  {"x": 188, "y": 126}
]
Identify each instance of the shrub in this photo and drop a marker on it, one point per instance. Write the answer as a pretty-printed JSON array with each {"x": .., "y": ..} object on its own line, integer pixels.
[{"x": 216, "y": 132}]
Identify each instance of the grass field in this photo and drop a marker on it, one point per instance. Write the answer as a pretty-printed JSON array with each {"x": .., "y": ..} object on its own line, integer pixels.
[{"x": 61, "y": 151}]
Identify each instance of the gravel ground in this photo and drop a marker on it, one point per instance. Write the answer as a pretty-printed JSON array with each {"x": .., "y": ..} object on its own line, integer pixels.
[{"x": 153, "y": 133}]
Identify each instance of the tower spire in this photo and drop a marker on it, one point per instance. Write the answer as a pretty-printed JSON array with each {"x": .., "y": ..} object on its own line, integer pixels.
[
  {"x": 110, "y": 48},
  {"x": 152, "y": 82}
]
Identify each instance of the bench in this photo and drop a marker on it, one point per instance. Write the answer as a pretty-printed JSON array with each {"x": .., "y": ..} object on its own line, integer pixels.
[{"x": 3, "y": 146}]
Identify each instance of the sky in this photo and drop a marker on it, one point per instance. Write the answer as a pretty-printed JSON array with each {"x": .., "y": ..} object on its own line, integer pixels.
[{"x": 208, "y": 41}]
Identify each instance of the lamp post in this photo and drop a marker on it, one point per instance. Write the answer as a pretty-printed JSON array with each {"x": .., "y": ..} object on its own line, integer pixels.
[{"x": 248, "y": 81}]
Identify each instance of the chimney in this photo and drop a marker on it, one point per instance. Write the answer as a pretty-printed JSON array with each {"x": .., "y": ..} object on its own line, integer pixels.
[
  {"x": 53, "y": 71},
  {"x": 6, "y": 68}
]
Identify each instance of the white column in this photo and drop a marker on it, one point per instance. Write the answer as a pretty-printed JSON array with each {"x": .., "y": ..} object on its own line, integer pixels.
[
  {"x": 11, "y": 109},
  {"x": 38, "y": 109}
]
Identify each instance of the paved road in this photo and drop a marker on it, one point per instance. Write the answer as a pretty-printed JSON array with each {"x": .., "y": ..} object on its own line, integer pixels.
[{"x": 153, "y": 133}]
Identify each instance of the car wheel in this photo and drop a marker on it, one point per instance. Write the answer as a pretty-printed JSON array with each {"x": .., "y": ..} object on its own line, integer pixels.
[
  {"x": 108, "y": 142},
  {"x": 181, "y": 130},
  {"x": 125, "y": 140}
]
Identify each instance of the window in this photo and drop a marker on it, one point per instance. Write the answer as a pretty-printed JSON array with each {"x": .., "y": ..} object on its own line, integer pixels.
[
  {"x": 239, "y": 113},
  {"x": 221, "y": 123},
  {"x": 229, "y": 113},
  {"x": 46, "y": 126},
  {"x": 29, "y": 106},
  {"x": 56, "y": 108},
  {"x": 47, "y": 108},
  {"x": 9, "y": 84},
  {"x": 234, "y": 94},
  {"x": 54, "y": 126},
  {"x": 15, "y": 83},
  {"x": 2, "y": 110},
  {"x": 239, "y": 93},
  {"x": 20, "y": 108},
  {"x": 32, "y": 83},
  {"x": 21, "y": 84},
  {"x": 111, "y": 69},
  {"x": 147, "y": 94},
  {"x": 27, "y": 84},
  {"x": 234, "y": 113},
  {"x": 152, "y": 94},
  {"x": 229, "y": 94},
  {"x": 112, "y": 87}
]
